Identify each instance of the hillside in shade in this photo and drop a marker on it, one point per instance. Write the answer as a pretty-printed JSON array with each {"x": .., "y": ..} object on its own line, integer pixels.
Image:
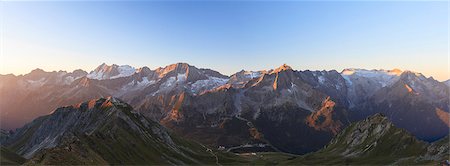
[{"x": 376, "y": 141}]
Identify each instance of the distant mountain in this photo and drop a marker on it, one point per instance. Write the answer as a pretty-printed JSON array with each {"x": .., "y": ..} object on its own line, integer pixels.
[
  {"x": 377, "y": 141},
  {"x": 28, "y": 96},
  {"x": 246, "y": 111},
  {"x": 413, "y": 102},
  {"x": 362, "y": 83},
  {"x": 104, "y": 71}
]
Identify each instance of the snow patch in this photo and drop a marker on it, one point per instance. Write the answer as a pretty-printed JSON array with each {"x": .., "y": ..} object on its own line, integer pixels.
[
  {"x": 124, "y": 71},
  {"x": 347, "y": 79},
  {"x": 69, "y": 79},
  {"x": 103, "y": 74},
  {"x": 181, "y": 77},
  {"x": 208, "y": 84},
  {"x": 321, "y": 79},
  {"x": 37, "y": 83},
  {"x": 384, "y": 77},
  {"x": 137, "y": 85},
  {"x": 168, "y": 84},
  {"x": 96, "y": 75},
  {"x": 252, "y": 74}
]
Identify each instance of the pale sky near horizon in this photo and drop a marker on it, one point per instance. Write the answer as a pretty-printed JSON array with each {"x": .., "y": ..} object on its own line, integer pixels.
[{"x": 226, "y": 36}]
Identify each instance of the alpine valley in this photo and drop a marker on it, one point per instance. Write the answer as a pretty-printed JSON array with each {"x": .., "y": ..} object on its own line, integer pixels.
[{"x": 184, "y": 115}]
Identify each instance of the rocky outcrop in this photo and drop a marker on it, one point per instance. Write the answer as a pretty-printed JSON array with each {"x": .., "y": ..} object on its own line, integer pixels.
[{"x": 437, "y": 151}]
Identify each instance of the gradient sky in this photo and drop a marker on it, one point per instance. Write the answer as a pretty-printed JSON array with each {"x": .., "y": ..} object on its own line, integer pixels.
[{"x": 226, "y": 36}]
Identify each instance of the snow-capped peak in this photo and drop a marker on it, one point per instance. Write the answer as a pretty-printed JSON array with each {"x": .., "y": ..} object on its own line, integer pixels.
[
  {"x": 253, "y": 74},
  {"x": 384, "y": 77},
  {"x": 124, "y": 71},
  {"x": 105, "y": 71},
  {"x": 371, "y": 73}
]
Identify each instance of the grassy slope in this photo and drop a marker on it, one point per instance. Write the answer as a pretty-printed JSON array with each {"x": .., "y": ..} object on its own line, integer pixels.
[
  {"x": 8, "y": 157},
  {"x": 116, "y": 143},
  {"x": 396, "y": 146}
]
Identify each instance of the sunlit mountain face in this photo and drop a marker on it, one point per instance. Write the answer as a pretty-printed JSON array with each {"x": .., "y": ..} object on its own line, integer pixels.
[{"x": 280, "y": 110}]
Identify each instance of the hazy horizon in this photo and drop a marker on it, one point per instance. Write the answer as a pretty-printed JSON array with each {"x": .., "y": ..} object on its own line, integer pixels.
[
  {"x": 228, "y": 74},
  {"x": 226, "y": 36}
]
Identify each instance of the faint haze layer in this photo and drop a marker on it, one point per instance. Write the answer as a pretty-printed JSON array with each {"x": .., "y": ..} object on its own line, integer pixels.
[{"x": 226, "y": 36}]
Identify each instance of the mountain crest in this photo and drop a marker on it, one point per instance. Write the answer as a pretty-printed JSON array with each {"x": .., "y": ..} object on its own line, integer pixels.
[
  {"x": 144, "y": 69},
  {"x": 371, "y": 73},
  {"x": 283, "y": 67},
  {"x": 410, "y": 75},
  {"x": 180, "y": 68},
  {"x": 102, "y": 103},
  {"x": 37, "y": 71}
]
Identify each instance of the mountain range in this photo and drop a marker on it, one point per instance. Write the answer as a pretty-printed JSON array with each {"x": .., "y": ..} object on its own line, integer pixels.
[{"x": 281, "y": 109}]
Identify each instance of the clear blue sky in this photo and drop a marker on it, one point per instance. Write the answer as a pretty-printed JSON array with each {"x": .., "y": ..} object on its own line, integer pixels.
[{"x": 226, "y": 36}]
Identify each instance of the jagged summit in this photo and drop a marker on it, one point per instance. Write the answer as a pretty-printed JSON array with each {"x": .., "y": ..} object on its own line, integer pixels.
[
  {"x": 411, "y": 74},
  {"x": 176, "y": 67},
  {"x": 37, "y": 70},
  {"x": 377, "y": 118},
  {"x": 283, "y": 67},
  {"x": 144, "y": 69},
  {"x": 107, "y": 102},
  {"x": 79, "y": 72}
]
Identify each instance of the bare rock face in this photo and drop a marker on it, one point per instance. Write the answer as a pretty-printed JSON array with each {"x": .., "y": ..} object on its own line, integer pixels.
[
  {"x": 372, "y": 128},
  {"x": 438, "y": 150},
  {"x": 328, "y": 82}
]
